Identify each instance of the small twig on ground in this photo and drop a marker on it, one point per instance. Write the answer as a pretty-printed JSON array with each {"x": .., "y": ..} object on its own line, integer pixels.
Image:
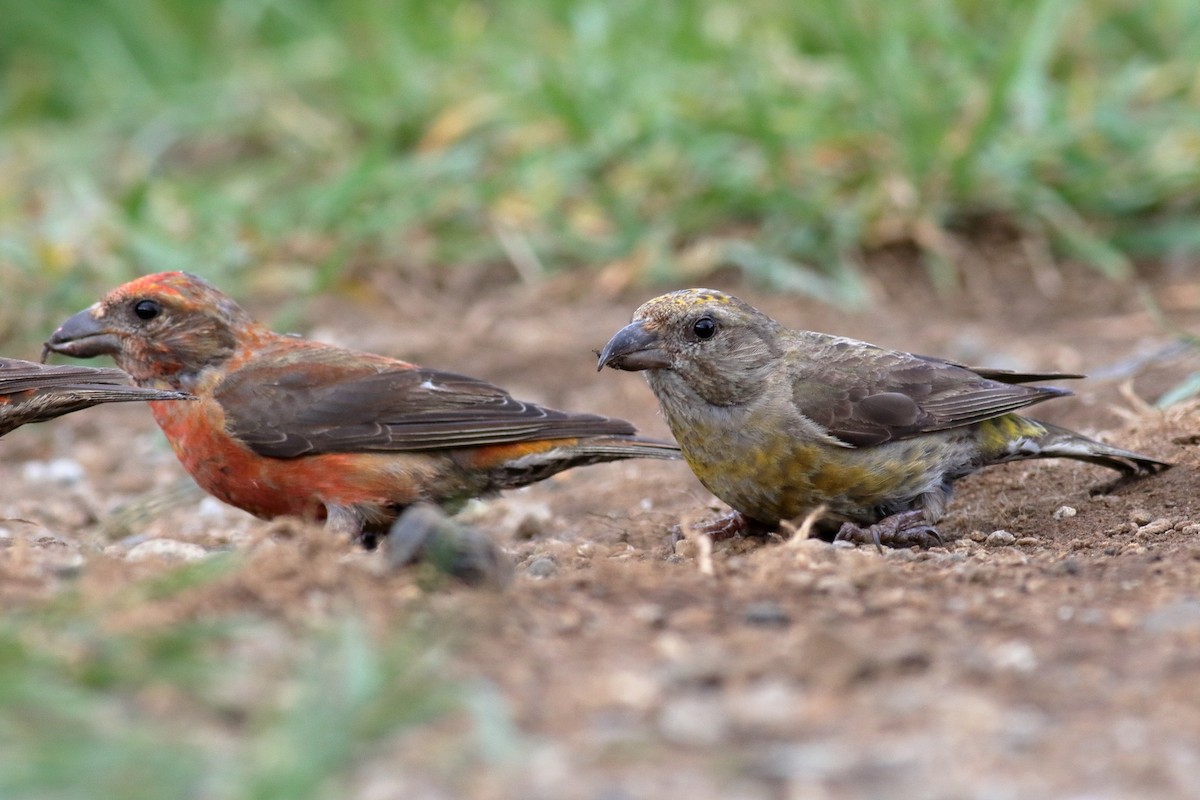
[
  {"x": 704, "y": 559},
  {"x": 797, "y": 535}
]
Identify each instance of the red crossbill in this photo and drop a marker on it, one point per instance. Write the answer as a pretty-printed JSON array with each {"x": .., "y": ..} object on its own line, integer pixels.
[
  {"x": 289, "y": 426},
  {"x": 31, "y": 392},
  {"x": 776, "y": 422}
]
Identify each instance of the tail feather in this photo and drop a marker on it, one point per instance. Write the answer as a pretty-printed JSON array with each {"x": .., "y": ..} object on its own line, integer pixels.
[
  {"x": 535, "y": 466},
  {"x": 1063, "y": 443},
  {"x": 94, "y": 394},
  {"x": 614, "y": 448}
]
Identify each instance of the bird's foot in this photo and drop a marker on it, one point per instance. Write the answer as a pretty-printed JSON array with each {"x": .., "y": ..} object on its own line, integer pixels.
[
  {"x": 733, "y": 524},
  {"x": 905, "y": 529},
  {"x": 347, "y": 522}
]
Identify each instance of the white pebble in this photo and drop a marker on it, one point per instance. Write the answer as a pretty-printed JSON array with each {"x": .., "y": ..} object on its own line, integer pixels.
[
  {"x": 1014, "y": 656},
  {"x": 211, "y": 507},
  {"x": 58, "y": 470},
  {"x": 693, "y": 721},
  {"x": 1156, "y": 527},
  {"x": 1065, "y": 512},
  {"x": 999, "y": 538}
]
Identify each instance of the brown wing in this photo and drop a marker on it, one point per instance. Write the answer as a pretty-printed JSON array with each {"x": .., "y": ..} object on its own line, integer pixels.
[
  {"x": 869, "y": 396},
  {"x": 303, "y": 410}
]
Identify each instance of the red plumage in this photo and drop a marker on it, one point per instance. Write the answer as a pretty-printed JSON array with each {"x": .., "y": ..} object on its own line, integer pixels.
[{"x": 285, "y": 425}]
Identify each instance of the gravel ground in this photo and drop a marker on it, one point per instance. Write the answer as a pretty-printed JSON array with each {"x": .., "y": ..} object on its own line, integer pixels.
[{"x": 1049, "y": 650}]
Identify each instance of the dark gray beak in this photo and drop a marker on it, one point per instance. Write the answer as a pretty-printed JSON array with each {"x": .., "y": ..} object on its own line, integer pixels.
[
  {"x": 633, "y": 348},
  {"x": 82, "y": 336}
]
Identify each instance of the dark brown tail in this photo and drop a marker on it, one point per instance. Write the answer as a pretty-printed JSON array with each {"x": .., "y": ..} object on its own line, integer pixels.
[
  {"x": 1063, "y": 443},
  {"x": 533, "y": 467},
  {"x": 32, "y": 392}
]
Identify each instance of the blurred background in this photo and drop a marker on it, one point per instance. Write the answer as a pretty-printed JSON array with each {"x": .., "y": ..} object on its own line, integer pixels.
[{"x": 295, "y": 145}]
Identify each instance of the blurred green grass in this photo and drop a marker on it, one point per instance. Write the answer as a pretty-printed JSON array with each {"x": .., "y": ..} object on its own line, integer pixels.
[
  {"x": 296, "y": 143},
  {"x": 230, "y": 706}
]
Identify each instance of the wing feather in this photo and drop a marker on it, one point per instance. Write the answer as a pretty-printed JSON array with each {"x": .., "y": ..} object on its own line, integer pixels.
[
  {"x": 386, "y": 406},
  {"x": 863, "y": 395}
]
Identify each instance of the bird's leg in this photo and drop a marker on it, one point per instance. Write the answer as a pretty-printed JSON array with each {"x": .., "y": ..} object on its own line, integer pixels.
[
  {"x": 905, "y": 529},
  {"x": 347, "y": 522},
  {"x": 732, "y": 524}
]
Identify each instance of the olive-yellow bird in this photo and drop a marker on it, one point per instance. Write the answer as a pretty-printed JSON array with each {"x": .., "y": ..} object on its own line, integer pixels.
[{"x": 777, "y": 422}]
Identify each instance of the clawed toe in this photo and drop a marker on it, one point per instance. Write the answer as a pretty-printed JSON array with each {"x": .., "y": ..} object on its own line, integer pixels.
[
  {"x": 923, "y": 536},
  {"x": 856, "y": 534},
  {"x": 726, "y": 527},
  {"x": 897, "y": 531}
]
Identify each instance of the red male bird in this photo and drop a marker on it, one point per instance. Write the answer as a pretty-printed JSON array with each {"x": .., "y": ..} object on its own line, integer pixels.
[
  {"x": 285, "y": 425},
  {"x": 31, "y": 392}
]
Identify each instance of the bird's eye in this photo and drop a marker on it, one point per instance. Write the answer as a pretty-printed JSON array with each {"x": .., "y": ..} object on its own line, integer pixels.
[
  {"x": 147, "y": 309},
  {"x": 704, "y": 328}
]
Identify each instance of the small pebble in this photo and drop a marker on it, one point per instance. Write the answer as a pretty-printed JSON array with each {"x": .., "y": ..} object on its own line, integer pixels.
[
  {"x": 1156, "y": 527},
  {"x": 1014, "y": 656},
  {"x": 1121, "y": 618},
  {"x": 766, "y": 614},
  {"x": 1028, "y": 541},
  {"x": 650, "y": 614},
  {"x": 424, "y": 534},
  {"x": 693, "y": 721},
  {"x": 835, "y": 585},
  {"x": 1177, "y": 617},
  {"x": 166, "y": 550},
  {"x": 686, "y": 548},
  {"x": 1070, "y": 566},
  {"x": 69, "y": 565},
  {"x": 1140, "y": 516},
  {"x": 1065, "y": 512},
  {"x": 531, "y": 526},
  {"x": 999, "y": 538},
  {"x": 542, "y": 567},
  {"x": 633, "y": 689},
  {"x": 765, "y": 707}
]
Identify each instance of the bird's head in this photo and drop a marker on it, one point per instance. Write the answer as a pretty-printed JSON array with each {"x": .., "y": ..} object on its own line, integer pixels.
[
  {"x": 167, "y": 326},
  {"x": 719, "y": 346}
]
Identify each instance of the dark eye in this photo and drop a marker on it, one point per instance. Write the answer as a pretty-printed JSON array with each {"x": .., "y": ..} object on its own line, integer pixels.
[
  {"x": 146, "y": 309},
  {"x": 704, "y": 328}
]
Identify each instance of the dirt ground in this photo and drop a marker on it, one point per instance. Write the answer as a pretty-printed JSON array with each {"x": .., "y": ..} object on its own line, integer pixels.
[{"x": 1052, "y": 649}]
